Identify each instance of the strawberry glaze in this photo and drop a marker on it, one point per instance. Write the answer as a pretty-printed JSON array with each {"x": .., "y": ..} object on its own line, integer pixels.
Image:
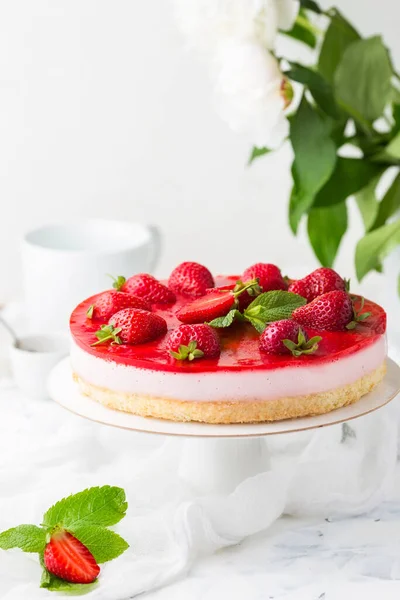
[{"x": 239, "y": 343}]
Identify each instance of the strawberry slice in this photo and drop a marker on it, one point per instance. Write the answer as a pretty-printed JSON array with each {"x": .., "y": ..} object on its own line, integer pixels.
[
  {"x": 216, "y": 303},
  {"x": 67, "y": 558}
]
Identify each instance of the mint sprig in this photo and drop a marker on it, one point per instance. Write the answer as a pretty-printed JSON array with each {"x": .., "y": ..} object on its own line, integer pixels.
[
  {"x": 87, "y": 516},
  {"x": 266, "y": 308}
]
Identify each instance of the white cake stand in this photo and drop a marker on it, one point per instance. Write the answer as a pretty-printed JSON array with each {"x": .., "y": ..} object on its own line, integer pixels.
[{"x": 216, "y": 457}]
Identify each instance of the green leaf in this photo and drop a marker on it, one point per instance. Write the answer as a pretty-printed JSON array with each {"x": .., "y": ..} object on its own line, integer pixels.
[
  {"x": 118, "y": 282},
  {"x": 339, "y": 35},
  {"x": 227, "y": 320},
  {"x": 107, "y": 333},
  {"x": 389, "y": 205},
  {"x": 311, "y": 5},
  {"x": 362, "y": 80},
  {"x": 272, "y": 306},
  {"x": 390, "y": 154},
  {"x": 95, "y": 506},
  {"x": 367, "y": 202},
  {"x": 375, "y": 246},
  {"x": 315, "y": 158},
  {"x": 28, "y": 538},
  {"x": 350, "y": 176},
  {"x": 302, "y": 31},
  {"x": 54, "y": 584},
  {"x": 326, "y": 227},
  {"x": 104, "y": 544},
  {"x": 320, "y": 89},
  {"x": 257, "y": 152}
]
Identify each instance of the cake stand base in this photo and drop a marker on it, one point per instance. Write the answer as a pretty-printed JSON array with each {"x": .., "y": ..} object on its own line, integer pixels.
[{"x": 216, "y": 458}]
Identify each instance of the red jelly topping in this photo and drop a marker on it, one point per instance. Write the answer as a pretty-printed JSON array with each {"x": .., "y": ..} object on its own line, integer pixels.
[{"x": 239, "y": 343}]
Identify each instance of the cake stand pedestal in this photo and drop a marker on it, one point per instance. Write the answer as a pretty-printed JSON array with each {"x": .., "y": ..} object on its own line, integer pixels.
[{"x": 216, "y": 458}]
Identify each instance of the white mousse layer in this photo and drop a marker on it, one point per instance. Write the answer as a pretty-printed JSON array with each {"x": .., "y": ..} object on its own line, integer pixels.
[{"x": 240, "y": 385}]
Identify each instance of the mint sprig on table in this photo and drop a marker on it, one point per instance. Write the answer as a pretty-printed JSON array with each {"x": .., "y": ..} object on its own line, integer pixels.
[
  {"x": 266, "y": 308},
  {"x": 87, "y": 516}
]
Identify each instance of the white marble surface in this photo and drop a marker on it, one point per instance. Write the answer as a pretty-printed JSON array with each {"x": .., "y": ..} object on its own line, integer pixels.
[{"x": 316, "y": 558}]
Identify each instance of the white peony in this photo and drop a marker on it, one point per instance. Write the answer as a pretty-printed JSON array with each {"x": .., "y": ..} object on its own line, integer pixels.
[
  {"x": 250, "y": 92},
  {"x": 206, "y": 23},
  {"x": 236, "y": 36}
]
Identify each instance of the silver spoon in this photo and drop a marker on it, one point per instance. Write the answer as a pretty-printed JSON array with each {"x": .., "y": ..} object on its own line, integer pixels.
[{"x": 10, "y": 331}]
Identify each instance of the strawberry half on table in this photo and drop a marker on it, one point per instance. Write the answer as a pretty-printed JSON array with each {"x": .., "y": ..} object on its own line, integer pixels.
[
  {"x": 67, "y": 558},
  {"x": 217, "y": 303}
]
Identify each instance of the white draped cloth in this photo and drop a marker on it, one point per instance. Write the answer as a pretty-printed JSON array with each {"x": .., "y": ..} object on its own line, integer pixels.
[{"x": 47, "y": 453}]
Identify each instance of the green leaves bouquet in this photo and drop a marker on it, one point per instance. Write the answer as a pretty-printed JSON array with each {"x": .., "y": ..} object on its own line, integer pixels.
[{"x": 341, "y": 113}]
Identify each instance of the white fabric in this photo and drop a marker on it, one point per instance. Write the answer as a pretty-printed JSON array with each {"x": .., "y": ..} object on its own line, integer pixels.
[{"x": 46, "y": 453}]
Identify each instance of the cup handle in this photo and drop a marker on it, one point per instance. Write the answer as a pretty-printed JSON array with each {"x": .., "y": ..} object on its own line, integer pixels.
[{"x": 156, "y": 241}]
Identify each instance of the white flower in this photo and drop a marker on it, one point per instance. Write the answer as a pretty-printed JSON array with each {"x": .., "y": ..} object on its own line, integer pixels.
[
  {"x": 208, "y": 22},
  {"x": 249, "y": 92}
]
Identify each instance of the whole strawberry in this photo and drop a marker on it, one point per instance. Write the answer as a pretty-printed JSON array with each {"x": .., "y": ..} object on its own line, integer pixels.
[
  {"x": 216, "y": 303},
  {"x": 318, "y": 282},
  {"x": 110, "y": 302},
  {"x": 132, "y": 326},
  {"x": 67, "y": 558},
  {"x": 332, "y": 311},
  {"x": 148, "y": 287},
  {"x": 287, "y": 337},
  {"x": 190, "y": 279},
  {"x": 269, "y": 276},
  {"x": 188, "y": 342}
]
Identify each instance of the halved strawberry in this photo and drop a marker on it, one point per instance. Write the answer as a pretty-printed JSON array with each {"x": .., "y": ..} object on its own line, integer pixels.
[
  {"x": 216, "y": 303},
  {"x": 67, "y": 558}
]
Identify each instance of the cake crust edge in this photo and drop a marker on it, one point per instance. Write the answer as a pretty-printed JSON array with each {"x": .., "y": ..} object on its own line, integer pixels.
[{"x": 235, "y": 411}]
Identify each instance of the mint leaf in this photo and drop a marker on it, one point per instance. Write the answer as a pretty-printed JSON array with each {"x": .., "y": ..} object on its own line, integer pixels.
[
  {"x": 311, "y": 5},
  {"x": 95, "y": 506},
  {"x": 314, "y": 158},
  {"x": 272, "y": 306},
  {"x": 104, "y": 544},
  {"x": 375, "y": 246},
  {"x": 326, "y": 227},
  {"x": 227, "y": 320},
  {"x": 28, "y": 538},
  {"x": 54, "y": 584},
  {"x": 363, "y": 80},
  {"x": 367, "y": 202}
]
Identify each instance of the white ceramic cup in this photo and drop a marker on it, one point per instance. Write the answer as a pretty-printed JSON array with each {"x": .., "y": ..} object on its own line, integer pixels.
[
  {"x": 64, "y": 264},
  {"x": 33, "y": 359}
]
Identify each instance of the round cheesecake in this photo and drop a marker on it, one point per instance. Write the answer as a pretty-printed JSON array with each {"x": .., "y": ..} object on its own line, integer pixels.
[{"x": 242, "y": 385}]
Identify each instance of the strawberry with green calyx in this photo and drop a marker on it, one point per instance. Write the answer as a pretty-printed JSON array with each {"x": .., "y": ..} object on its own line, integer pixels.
[
  {"x": 190, "y": 279},
  {"x": 265, "y": 308},
  {"x": 285, "y": 337},
  {"x": 215, "y": 304},
  {"x": 332, "y": 311},
  {"x": 188, "y": 342},
  {"x": 118, "y": 282},
  {"x": 148, "y": 287},
  {"x": 112, "y": 301},
  {"x": 74, "y": 538},
  {"x": 131, "y": 326},
  {"x": 320, "y": 281},
  {"x": 269, "y": 276},
  {"x": 189, "y": 352},
  {"x": 107, "y": 333},
  {"x": 358, "y": 316}
]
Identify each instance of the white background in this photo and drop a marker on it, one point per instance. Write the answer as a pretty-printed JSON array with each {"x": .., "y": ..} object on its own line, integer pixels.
[{"x": 104, "y": 112}]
